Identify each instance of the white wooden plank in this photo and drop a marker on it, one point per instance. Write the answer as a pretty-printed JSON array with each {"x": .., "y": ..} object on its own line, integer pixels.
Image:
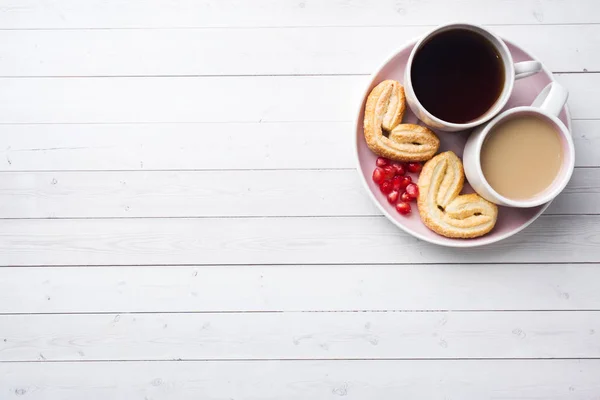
[
  {"x": 259, "y": 336},
  {"x": 586, "y": 141},
  {"x": 33, "y": 147},
  {"x": 219, "y": 193},
  {"x": 212, "y": 99},
  {"x": 30, "y": 14},
  {"x": 299, "y": 288},
  {"x": 580, "y": 194},
  {"x": 583, "y": 99},
  {"x": 319, "y": 380},
  {"x": 342, "y": 50},
  {"x": 180, "y": 99},
  {"x": 182, "y": 146},
  {"x": 276, "y": 241},
  {"x": 186, "y": 193}
]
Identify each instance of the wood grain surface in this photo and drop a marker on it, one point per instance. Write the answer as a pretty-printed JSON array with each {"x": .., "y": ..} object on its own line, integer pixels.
[
  {"x": 210, "y": 99},
  {"x": 137, "y": 146},
  {"x": 258, "y": 51},
  {"x": 311, "y": 240},
  {"x": 72, "y": 14},
  {"x": 297, "y": 288},
  {"x": 373, "y": 335},
  {"x": 325, "y": 379},
  {"x": 181, "y": 218}
]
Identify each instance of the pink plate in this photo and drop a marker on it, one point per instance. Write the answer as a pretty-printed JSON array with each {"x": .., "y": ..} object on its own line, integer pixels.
[{"x": 510, "y": 220}]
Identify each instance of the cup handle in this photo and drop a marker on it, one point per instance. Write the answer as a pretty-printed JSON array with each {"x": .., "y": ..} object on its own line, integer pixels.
[
  {"x": 527, "y": 68},
  {"x": 551, "y": 99}
]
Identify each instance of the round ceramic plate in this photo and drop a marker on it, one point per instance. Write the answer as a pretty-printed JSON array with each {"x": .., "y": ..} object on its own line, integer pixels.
[{"x": 510, "y": 220}]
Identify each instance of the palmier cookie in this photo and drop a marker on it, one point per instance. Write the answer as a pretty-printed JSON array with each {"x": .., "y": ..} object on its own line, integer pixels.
[
  {"x": 441, "y": 207},
  {"x": 384, "y": 133}
]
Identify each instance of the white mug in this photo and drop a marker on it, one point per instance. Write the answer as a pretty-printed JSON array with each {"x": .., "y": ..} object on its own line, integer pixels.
[
  {"x": 512, "y": 71},
  {"x": 548, "y": 106}
]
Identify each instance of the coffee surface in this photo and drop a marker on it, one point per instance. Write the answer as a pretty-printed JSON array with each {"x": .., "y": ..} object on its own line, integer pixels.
[
  {"x": 521, "y": 157},
  {"x": 457, "y": 75}
]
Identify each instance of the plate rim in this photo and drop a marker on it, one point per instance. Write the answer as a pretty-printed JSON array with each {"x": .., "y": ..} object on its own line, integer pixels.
[{"x": 441, "y": 241}]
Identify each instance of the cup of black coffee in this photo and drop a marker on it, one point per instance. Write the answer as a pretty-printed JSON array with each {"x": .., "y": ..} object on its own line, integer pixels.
[{"x": 460, "y": 75}]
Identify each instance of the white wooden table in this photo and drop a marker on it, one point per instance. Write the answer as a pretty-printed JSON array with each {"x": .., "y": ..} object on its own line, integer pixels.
[{"x": 181, "y": 217}]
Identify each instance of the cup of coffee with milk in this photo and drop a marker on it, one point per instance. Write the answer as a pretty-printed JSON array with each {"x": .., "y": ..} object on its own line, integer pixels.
[{"x": 459, "y": 77}]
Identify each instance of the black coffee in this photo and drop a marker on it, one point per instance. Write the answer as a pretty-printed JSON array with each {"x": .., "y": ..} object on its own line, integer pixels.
[{"x": 457, "y": 75}]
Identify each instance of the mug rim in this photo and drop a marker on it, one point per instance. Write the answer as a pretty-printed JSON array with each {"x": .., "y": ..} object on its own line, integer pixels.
[
  {"x": 509, "y": 76},
  {"x": 536, "y": 201}
]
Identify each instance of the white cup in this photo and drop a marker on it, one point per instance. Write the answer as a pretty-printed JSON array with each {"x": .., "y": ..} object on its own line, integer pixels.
[
  {"x": 512, "y": 71},
  {"x": 547, "y": 106}
]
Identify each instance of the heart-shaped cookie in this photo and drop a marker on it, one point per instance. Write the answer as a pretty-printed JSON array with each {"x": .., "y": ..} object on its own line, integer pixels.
[
  {"x": 443, "y": 209},
  {"x": 384, "y": 133}
]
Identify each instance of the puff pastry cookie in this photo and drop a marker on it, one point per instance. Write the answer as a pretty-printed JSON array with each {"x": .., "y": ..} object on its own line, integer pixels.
[
  {"x": 441, "y": 207},
  {"x": 384, "y": 133}
]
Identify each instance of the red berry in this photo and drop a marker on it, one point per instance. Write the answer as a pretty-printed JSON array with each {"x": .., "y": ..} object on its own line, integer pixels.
[
  {"x": 389, "y": 172},
  {"x": 412, "y": 190},
  {"x": 378, "y": 176},
  {"x": 414, "y": 167},
  {"x": 406, "y": 198},
  {"x": 399, "y": 169},
  {"x": 382, "y": 162},
  {"x": 386, "y": 186},
  {"x": 405, "y": 181},
  {"x": 403, "y": 208},
  {"x": 397, "y": 182},
  {"x": 393, "y": 196}
]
